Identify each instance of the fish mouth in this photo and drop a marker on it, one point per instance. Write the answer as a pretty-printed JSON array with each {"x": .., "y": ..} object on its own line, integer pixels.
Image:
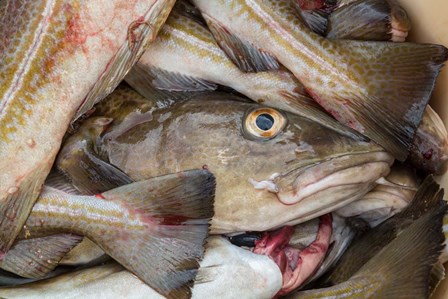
[
  {"x": 296, "y": 265},
  {"x": 335, "y": 173}
]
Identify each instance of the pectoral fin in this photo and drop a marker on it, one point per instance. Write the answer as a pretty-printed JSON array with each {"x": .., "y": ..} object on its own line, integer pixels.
[{"x": 89, "y": 174}]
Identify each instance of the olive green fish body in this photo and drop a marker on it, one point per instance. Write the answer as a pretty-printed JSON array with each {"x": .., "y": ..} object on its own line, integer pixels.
[
  {"x": 252, "y": 190},
  {"x": 57, "y": 55}
]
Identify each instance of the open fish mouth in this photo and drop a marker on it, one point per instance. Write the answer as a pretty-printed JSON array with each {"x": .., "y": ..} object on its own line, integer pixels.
[
  {"x": 297, "y": 265},
  {"x": 352, "y": 171}
]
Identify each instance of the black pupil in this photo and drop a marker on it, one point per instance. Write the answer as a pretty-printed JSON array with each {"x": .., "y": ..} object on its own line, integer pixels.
[{"x": 264, "y": 122}]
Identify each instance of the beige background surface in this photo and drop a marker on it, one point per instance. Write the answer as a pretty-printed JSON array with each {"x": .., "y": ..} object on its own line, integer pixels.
[{"x": 430, "y": 25}]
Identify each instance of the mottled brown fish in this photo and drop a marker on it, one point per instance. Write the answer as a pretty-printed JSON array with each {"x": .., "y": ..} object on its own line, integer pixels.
[
  {"x": 379, "y": 89},
  {"x": 273, "y": 168},
  {"x": 58, "y": 58}
]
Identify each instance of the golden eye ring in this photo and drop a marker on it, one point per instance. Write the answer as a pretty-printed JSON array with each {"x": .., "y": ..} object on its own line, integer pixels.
[{"x": 263, "y": 123}]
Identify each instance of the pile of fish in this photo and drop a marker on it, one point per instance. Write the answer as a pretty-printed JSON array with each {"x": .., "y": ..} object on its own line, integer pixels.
[{"x": 218, "y": 149}]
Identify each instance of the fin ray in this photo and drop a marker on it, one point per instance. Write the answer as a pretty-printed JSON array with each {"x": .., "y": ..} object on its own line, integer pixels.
[{"x": 244, "y": 55}]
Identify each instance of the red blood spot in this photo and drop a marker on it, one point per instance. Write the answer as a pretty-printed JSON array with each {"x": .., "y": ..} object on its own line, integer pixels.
[
  {"x": 428, "y": 155},
  {"x": 100, "y": 196}
]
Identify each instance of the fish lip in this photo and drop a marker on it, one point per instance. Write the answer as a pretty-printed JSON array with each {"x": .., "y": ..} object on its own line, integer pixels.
[{"x": 337, "y": 171}]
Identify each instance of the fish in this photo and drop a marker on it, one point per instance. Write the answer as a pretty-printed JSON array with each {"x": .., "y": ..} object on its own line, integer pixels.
[
  {"x": 164, "y": 220},
  {"x": 359, "y": 83},
  {"x": 175, "y": 62},
  {"x": 309, "y": 171},
  {"x": 399, "y": 270},
  {"x": 387, "y": 199},
  {"x": 428, "y": 200},
  {"x": 226, "y": 270},
  {"x": 58, "y": 58},
  {"x": 377, "y": 20}
]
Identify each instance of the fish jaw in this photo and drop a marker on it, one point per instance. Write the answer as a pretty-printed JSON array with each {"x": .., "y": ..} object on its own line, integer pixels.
[
  {"x": 296, "y": 265},
  {"x": 347, "y": 170},
  {"x": 66, "y": 49}
]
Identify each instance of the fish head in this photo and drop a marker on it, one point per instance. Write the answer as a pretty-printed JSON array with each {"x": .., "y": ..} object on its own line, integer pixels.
[{"x": 269, "y": 164}]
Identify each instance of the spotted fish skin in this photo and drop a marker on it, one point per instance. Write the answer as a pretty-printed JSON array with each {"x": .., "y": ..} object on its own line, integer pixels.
[
  {"x": 175, "y": 62},
  {"x": 362, "y": 84},
  {"x": 56, "y": 55}
]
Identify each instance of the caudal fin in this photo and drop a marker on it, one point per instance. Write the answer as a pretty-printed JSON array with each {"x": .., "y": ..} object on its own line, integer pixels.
[
  {"x": 35, "y": 258},
  {"x": 175, "y": 210},
  {"x": 375, "y": 20},
  {"x": 390, "y": 86}
]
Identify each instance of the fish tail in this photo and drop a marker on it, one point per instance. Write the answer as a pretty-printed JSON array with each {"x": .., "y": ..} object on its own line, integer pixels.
[
  {"x": 35, "y": 258},
  {"x": 368, "y": 20},
  {"x": 164, "y": 250},
  {"x": 408, "y": 260},
  {"x": 388, "y": 88}
]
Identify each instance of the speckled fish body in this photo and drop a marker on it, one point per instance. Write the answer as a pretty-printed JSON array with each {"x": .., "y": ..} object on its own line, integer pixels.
[
  {"x": 352, "y": 80},
  {"x": 226, "y": 270},
  {"x": 186, "y": 57},
  {"x": 293, "y": 172},
  {"x": 58, "y": 55}
]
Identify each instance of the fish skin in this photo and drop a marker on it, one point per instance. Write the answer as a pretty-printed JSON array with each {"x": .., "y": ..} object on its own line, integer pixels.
[
  {"x": 349, "y": 79},
  {"x": 240, "y": 165},
  {"x": 225, "y": 271},
  {"x": 143, "y": 215},
  {"x": 55, "y": 55},
  {"x": 183, "y": 46}
]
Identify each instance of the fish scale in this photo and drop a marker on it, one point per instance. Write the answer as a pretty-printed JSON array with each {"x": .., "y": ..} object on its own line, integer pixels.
[{"x": 56, "y": 56}]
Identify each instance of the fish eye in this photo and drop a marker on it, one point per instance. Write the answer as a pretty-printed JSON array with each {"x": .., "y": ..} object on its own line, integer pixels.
[{"x": 264, "y": 123}]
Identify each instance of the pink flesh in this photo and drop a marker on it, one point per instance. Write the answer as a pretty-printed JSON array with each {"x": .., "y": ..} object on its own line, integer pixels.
[{"x": 296, "y": 265}]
